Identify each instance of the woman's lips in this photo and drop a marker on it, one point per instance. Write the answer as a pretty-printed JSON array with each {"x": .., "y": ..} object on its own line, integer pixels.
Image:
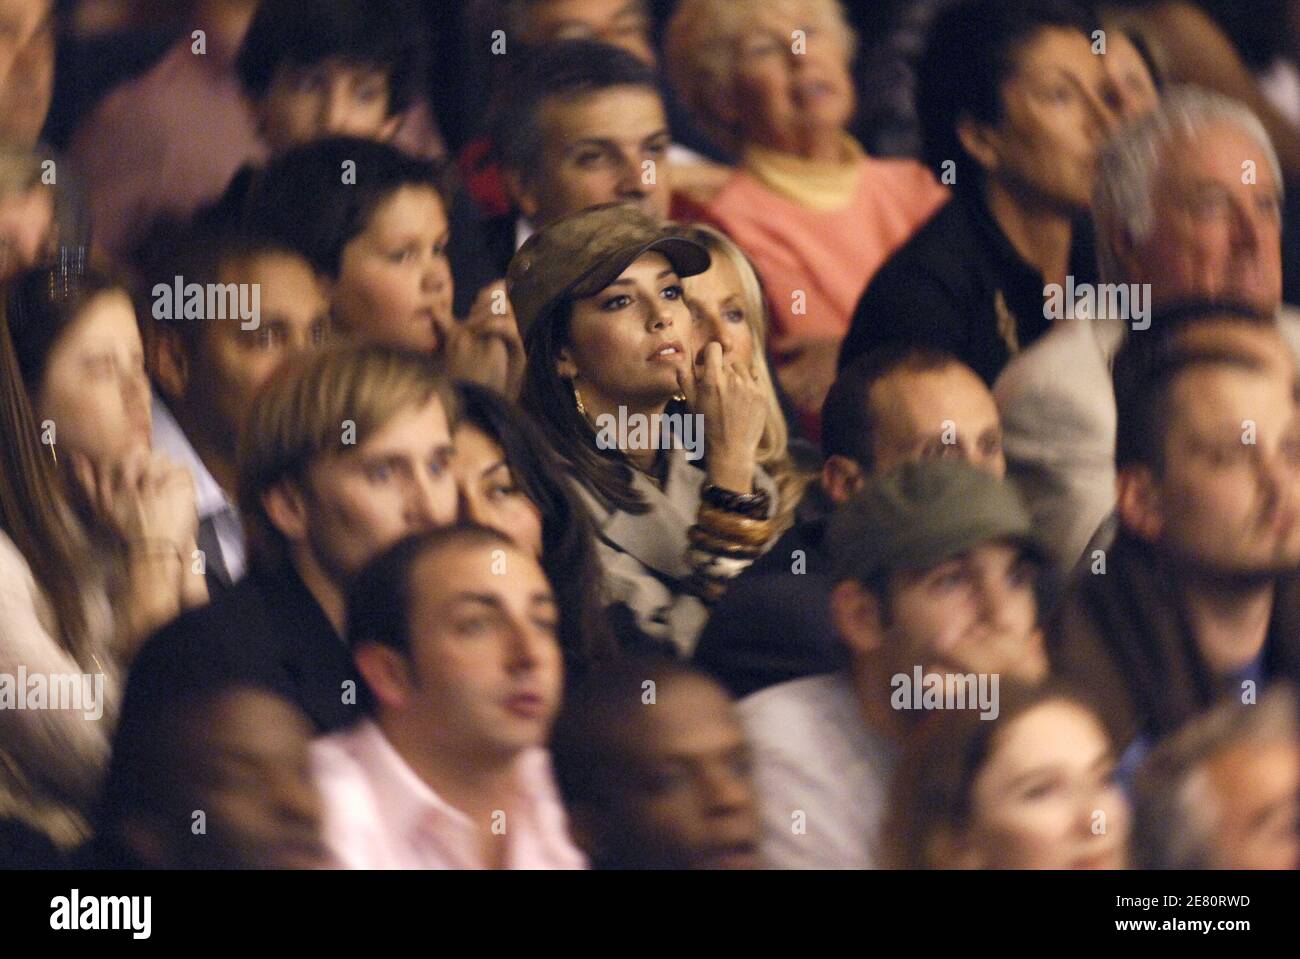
[{"x": 667, "y": 353}]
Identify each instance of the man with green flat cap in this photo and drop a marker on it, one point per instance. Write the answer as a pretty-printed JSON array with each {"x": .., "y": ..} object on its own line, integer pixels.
[{"x": 934, "y": 567}]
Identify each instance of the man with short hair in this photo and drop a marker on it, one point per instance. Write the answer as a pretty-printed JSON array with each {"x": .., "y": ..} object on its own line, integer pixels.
[
  {"x": 933, "y": 568},
  {"x": 584, "y": 124},
  {"x": 454, "y": 633},
  {"x": 1187, "y": 206},
  {"x": 1224, "y": 791},
  {"x": 894, "y": 405},
  {"x": 654, "y": 769},
  {"x": 208, "y": 368},
  {"x": 344, "y": 452},
  {"x": 1198, "y": 595}
]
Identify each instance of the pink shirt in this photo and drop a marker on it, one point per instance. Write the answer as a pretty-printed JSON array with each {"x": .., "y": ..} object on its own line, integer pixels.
[
  {"x": 380, "y": 815},
  {"x": 165, "y": 143}
]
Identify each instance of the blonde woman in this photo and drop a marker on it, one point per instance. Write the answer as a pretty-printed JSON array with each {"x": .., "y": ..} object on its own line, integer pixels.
[{"x": 728, "y": 308}]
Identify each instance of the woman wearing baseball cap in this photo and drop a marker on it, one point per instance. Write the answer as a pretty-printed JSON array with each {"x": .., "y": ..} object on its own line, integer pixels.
[{"x": 607, "y": 333}]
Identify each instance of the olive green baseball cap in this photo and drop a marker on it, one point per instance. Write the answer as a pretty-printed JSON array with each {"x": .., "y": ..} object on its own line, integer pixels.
[
  {"x": 581, "y": 254},
  {"x": 923, "y": 514}
]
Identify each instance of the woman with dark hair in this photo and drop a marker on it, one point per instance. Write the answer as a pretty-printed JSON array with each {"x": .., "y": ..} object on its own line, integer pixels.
[
  {"x": 510, "y": 481},
  {"x": 86, "y": 513},
  {"x": 1031, "y": 788},
  {"x": 611, "y": 382},
  {"x": 1014, "y": 106}
]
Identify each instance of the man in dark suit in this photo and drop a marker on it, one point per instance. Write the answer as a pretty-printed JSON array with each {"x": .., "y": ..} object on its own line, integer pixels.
[{"x": 345, "y": 451}]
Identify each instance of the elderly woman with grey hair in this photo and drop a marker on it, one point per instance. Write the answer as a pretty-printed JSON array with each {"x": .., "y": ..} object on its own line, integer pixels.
[{"x": 770, "y": 80}]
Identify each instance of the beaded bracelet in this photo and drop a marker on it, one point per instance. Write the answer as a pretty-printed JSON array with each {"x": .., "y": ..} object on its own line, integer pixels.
[
  {"x": 733, "y": 526},
  {"x": 721, "y": 546},
  {"x": 747, "y": 504}
]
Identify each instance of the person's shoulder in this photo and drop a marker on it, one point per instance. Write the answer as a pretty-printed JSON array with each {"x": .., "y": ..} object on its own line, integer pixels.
[
  {"x": 13, "y": 564},
  {"x": 787, "y": 711}
]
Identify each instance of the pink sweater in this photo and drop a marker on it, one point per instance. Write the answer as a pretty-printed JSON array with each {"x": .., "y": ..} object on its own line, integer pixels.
[{"x": 830, "y": 256}]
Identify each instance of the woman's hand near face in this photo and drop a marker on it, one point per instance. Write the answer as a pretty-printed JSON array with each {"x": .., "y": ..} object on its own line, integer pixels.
[
  {"x": 149, "y": 501},
  {"x": 731, "y": 401},
  {"x": 144, "y": 497},
  {"x": 486, "y": 348}
]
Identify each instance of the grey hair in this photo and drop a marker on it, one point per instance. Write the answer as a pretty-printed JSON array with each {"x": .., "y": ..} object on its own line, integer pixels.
[
  {"x": 1127, "y": 168},
  {"x": 1175, "y": 810}
]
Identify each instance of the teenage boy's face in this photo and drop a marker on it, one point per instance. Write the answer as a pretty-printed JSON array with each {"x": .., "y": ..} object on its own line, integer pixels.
[
  {"x": 683, "y": 794},
  {"x": 26, "y": 69},
  {"x": 976, "y": 612},
  {"x": 397, "y": 482},
  {"x": 331, "y": 98},
  {"x": 605, "y": 147},
  {"x": 395, "y": 284},
  {"x": 485, "y": 664},
  {"x": 233, "y": 362}
]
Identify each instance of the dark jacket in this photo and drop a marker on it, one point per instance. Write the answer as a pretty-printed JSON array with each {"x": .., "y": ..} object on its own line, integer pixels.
[
  {"x": 1125, "y": 639},
  {"x": 773, "y": 623},
  {"x": 959, "y": 285},
  {"x": 267, "y": 630}
]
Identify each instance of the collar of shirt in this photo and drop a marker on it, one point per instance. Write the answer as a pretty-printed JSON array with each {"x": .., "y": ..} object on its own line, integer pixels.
[
  {"x": 169, "y": 438},
  {"x": 523, "y": 230},
  {"x": 422, "y": 821}
]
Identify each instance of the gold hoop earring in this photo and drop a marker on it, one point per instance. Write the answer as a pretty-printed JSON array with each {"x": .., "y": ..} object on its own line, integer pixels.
[{"x": 679, "y": 396}]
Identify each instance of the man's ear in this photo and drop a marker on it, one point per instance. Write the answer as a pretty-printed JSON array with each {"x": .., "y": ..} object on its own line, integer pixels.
[
  {"x": 856, "y": 616},
  {"x": 286, "y": 507},
  {"x": 980, "y": 141},
  {"x": 841, "y": 478},
  {"x": 169, "y": 361},
  {"x": 386, "y": 673},
  {"x": 522, "y": 193},
  {"x": 1137, "y": 498},
  {"x": 564, "y": 365}
]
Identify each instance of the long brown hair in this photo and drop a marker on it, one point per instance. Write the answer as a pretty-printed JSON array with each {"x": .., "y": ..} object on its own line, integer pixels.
[
  {"x": 33, "y": 510},
  {"x": 548, "y": 398}
]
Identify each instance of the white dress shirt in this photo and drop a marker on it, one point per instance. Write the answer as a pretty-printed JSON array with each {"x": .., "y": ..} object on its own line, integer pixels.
[{"x": 210, "y": 499}]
